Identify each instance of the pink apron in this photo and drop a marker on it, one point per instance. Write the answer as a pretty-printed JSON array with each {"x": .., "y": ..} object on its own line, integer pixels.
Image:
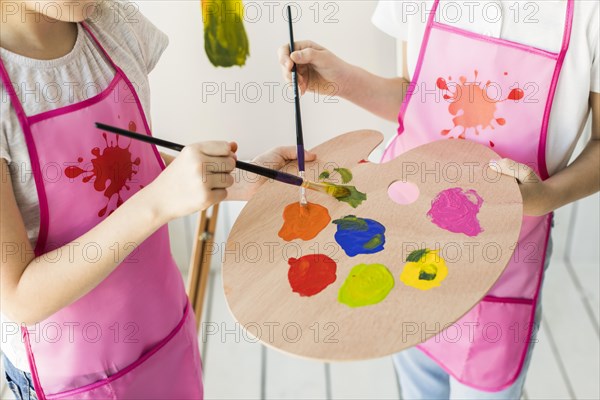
[
  {"x": 498, "y": 93},
  {"x": 134, "y": 335}
]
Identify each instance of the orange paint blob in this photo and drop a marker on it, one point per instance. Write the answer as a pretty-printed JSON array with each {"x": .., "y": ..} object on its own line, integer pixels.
[
  {"x": 303, "y": 223},
  {"x": 472, "y": 108}
]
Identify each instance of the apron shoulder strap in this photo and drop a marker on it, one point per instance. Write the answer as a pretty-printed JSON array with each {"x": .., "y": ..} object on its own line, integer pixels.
[
  {"x": 568, "y": 26},
  {"x": 14, "y": 99}
]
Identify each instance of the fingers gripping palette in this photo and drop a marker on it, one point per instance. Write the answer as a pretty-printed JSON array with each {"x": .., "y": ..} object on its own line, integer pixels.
[{"x": 362, "y": 279}]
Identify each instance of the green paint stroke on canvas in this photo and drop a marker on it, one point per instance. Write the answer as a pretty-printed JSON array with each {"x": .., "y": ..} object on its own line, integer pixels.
[{"x": 225, "y": 39}]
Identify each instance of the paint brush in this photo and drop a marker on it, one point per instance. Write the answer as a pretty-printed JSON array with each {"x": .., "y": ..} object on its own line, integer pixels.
[
  {"x": 338, "y": 191},
  {"x": 299, "y": 133}
]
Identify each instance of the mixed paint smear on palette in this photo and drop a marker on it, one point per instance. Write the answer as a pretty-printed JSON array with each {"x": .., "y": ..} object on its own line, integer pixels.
[
  {"x": 455, "y": 210},
  {"x": 472, "y": 106},
  {"x": 359, "y": 235},
  {"x": 424, "y": 269},
  {"x": 366, "y": 284},
  {"x": 311, "y": 274},
  {"x": 354, "y": 197},
  {"x": 225, "y": 39},
  {"x": 111, "y": 170},
  {"x": 303, "y": 222}
]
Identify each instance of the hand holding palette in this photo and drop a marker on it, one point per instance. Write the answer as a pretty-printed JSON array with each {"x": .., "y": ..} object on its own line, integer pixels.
[{"x": 420, "y": 241}]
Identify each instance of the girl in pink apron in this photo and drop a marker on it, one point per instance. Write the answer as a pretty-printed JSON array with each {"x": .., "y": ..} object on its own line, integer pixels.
[
  {"x": 116, "y": 321},
  {"x": 451, "y": 96}
]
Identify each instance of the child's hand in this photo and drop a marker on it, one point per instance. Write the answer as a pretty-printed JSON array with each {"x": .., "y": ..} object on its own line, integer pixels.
[
  {"x": 278, "y": 157},
  {"x": 247, "y": 183},
  {"x": 195, "y": 180},
  {"x": 536, "y": 196},
  {"x": 319, "y": 70}
]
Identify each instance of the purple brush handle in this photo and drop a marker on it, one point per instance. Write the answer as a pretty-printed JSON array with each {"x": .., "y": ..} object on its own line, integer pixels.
[{"x": 270, "y": 173}]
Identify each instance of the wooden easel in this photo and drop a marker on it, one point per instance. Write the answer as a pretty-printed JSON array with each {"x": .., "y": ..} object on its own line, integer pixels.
[{"x": 200, "y": 259}]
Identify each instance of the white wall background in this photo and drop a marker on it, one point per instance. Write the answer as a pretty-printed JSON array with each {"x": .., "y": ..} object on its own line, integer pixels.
[{"x": 251, "y": 104}]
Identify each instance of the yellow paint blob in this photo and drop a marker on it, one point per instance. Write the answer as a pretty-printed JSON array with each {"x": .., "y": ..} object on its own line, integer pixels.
[
  {"x": 425, "y": 269},
  {"x": 366, "y": 284}
]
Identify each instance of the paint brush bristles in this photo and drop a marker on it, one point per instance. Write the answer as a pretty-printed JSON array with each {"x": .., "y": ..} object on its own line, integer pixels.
[{"x": 332, "y": 190}]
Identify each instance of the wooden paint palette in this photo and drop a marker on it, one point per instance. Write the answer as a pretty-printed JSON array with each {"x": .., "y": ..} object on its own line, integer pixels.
[{"x": 257, "y": 261}]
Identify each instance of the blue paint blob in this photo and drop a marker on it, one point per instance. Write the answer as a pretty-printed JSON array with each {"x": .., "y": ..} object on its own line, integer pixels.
[{"x": 359, "y": 235}]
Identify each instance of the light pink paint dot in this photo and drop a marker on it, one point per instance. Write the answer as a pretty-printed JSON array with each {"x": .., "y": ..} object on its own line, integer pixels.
[{"x": 403, "y": 193}]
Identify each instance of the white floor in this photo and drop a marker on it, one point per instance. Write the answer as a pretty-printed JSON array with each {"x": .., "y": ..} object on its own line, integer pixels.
[{"x": 565, "y": 363}]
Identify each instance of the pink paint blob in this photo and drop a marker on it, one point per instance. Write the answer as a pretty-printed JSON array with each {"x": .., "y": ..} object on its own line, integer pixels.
[
  {"x": 403, "y": 193},
  {"x": 456, "y": 210}
]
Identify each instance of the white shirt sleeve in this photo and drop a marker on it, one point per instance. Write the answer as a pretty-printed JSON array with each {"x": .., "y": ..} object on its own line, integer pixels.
[
  {"x": 152, "y": 41},
  {"x": 134, "y": 30},
  {"x": 4, "y": 149},
  {"x": 595, "y": 72},
  {"x": 389, "y": 18}
]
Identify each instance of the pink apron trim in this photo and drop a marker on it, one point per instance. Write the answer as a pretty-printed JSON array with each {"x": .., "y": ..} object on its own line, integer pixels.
[
  {"x": 35, "y": 162},
  {"x": 513, "y": 300},
  {"x": 34, "y": 375},
  {"x": 537, "y": 292},
  {"x": 74, "y": 107},
  {"x": 415, "y": 78},
  {"x": 131, "y": 89},
  {"x": 130, "y": 367},
  {"x": 504, "y": 42},
  {"x": 144, "y": 119},
  {"x": 543, "y": 167}
]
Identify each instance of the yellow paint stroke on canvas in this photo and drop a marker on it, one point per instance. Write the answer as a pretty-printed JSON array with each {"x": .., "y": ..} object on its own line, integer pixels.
[{"x": 225, "y": 40}]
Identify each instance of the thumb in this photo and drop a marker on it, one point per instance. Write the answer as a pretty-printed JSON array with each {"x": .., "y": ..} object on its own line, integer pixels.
[
  {"x": 521, "y": 172},
  {"x": 307, "y": 56},
  {"x": 308, "y": 156}
]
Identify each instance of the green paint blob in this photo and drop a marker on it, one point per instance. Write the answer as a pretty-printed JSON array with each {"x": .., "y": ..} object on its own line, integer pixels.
[
  {"x": 225, "y": 40},
  {"x": 375, "y": 242},
  {"x": 416, "y": 255},
  {"x": 367, "y": 284},
  {"x": 354, "y": 198},
  {"x": 345, "y": 174},
  {"x": 324, "y": 175},
  {"x": 428, "y": 272},
  {"x": 352, "y": 222}
]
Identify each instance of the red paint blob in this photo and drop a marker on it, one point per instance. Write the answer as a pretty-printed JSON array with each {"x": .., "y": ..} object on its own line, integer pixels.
[
  {"x": 516, "y": 94},
  {"x": 492, "y": 144},
  {"x": 111, "y": 170},
  {"x": 311, "y": 274},
  {"x": 441, "y": 84},
  {"x": 72, "y": 172},
  {"x": 500, "y": 121},
  {"x": 132, "y": 126},
  {"x": 363, "y": 161}
]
